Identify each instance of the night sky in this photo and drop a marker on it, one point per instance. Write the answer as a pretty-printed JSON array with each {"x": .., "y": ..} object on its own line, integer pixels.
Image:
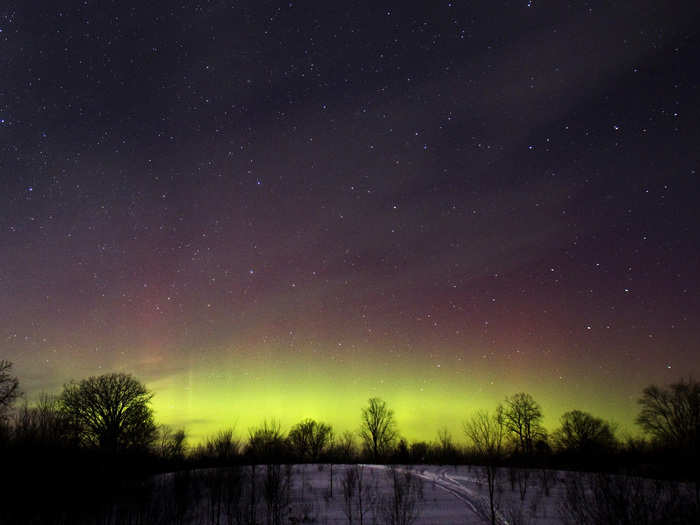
[{"x": 279, "y": 209}]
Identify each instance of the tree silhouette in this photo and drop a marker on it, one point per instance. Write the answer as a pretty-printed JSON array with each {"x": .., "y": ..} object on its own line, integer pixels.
[
  {"x": 672, "y": 415},
  {"x": 405, "y": 501},
  {"x": 310, "y": 438},
  {"x": 110, "y": 412},
  {"x": 378, "y": 428},
  {"x": 43, "y": 424},
  {"x": 344, "y": 447},
  {"x": 9, "y": 388},
  {"x": 171, "y": 443},
  {"x": 266, "y": 443},
  {"x": 223, "y": 447},
  {"x": 486, "y": 432},
  {"x": 522, "y": 416},
  {"x": 446, "y": 447},
  {"x": 582, "y": 433}
]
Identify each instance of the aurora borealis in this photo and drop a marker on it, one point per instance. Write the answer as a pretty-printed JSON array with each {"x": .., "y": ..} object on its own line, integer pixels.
[{"x": 280, "y": 209}]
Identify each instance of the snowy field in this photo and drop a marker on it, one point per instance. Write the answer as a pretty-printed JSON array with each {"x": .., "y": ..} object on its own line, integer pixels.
[
  {"x": 378, "y": 495},
  {"x": 449, "y": 494},
  {"x": 368, "y": 494},
  {"x": 403, "y": 495}
]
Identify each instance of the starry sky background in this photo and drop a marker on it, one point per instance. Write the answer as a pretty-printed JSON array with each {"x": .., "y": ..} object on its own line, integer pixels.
[{"x": 279, "y": 209}]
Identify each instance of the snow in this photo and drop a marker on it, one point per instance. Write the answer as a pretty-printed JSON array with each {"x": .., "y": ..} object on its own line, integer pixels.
[{"x": 450, "y": 494}]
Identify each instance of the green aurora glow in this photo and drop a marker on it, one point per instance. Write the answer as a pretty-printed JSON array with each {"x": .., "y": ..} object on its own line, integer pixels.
[{"x": 204, "y": 400}]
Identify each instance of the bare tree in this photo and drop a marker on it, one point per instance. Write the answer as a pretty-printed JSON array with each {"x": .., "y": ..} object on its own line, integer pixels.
[
  {"x": 342, "y": 449},
  {"x": 378, "y": 428},
  {"x": 266, "y": 443},
  {"x": 601, "y": 498},
  {"x": 485, "y": 432},
  {"x": 171, "y": 443},
  {"x": 672, "y": 415},
  {"x": 9, "y": 388},
  {"x": 276, "y": 488},
  {"x": 522, "y": 417},
  {"x": 447, "y": 448},
  {"x": 519, "y": 477},
  {"x": 309, "y": 439},
  {"x": 349, "y": 488},
  {"x": 582, "y": 433},
  {"x": 111, "y": 412},
  {"x": 445, "y": 439},
  {"x": 404, "y": 505},
  {"x": 224, "y": 446},
  {"x": 345, "y": 447},
  {"x": 357, "y": 498},
  {"x": 42, "y": 424}
]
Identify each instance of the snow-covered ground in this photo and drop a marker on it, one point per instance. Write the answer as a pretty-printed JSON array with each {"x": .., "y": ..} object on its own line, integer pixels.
[
  {"x": 459, "y": 494},
  {"x": 431, "y": 494}
]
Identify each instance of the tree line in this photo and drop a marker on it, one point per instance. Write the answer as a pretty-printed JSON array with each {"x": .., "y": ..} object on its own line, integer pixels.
[
  {"x": 99, "y": 437},
  {"x": 111, "y": 413}
]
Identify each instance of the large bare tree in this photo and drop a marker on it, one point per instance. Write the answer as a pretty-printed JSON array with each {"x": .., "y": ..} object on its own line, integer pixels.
[
  {"x": 582, "y": 433},
  {"x": 672, "y": 415},
  {"x": 310, "y": 438},
  {"x": 9, "y": 388},
  {"x": 378, "y": 428},
  {"x": 522, "y": 417},
  {"x": 111, "y": 411}
]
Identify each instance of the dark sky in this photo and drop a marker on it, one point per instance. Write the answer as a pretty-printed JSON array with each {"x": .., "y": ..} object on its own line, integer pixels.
[{"x": 281, "y": 208}]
